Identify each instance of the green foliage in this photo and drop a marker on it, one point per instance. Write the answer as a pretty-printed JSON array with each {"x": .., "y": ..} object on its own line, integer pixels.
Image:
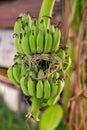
[
  {"x": 77, "y": 11},
  {"x": 76, "y": 14},
  {"x": 51, "y": 118},
  {"x": 61, "y": 126},
  {"x": 10, "y": 120},
  {"x": 69, "y": 72}
]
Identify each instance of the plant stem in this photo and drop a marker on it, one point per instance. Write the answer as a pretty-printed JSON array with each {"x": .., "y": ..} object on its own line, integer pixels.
[
  {"x": 35, "y": 108},
  {"x": 74, "y": 6},
  {"x": 79, "y": 46},
  {"x": 66, "y": 94},
  {"x": 46, "y": 11}
]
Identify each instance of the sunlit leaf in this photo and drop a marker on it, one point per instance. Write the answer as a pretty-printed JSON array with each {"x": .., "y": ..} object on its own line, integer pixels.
[{"x": 51, "y": 118}]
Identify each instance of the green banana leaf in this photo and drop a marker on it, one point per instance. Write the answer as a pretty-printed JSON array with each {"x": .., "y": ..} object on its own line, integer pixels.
[{"x": 51, "y": 118}]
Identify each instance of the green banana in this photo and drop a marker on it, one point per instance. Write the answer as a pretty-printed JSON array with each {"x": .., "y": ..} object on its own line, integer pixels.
[
  {"x": 34, "y": 28},
  {"x": 18, "y": 59},
  {"x": 61, "y": 54},
  {"x": 47, "y": 89},
  {"x": 67, "y": 63},
  {"x": 24, "y": 69},
  {"x": 56, "y": 75},
  {"x": 56, "y": 40},
  {"x": 48, "y": 42},
  {"x": 40, "y": 42},
  {"x": 18, "y": 26},
  {"x": 31, "y": 84},
  {"x": 60, "y": 86},
  {"x": 18, "y": 45},
  {"x": 50, "y": 101},
  {"x": 39, "y": 89},
  {"x": 50, "y": 78},
  {"x": 22, "y": 32},
  {"x": 41, "y": 26},
  {"x": 26, "y": 19},
  {"x": 27, "y": 31},
  {"x": 54, "y": 88},
  {"x": 25, "y": 44},
  {"x": 52, "y": 29},
  {"x": 32, "y": 42},
  {"x": 10, "y": 76},
  {"x": 31, "y": 87},
  {"x": 24, "y": 86},
  {"x": 39, "y": 86},
  {"x": 17, "y": 72}
]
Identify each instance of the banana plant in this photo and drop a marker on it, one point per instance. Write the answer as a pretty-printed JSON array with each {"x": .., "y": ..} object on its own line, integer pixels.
[{"x": 39, "y": 65}]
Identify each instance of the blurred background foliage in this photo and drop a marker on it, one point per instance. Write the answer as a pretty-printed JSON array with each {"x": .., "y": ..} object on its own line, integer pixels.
[{"x": 10, "y": 120}]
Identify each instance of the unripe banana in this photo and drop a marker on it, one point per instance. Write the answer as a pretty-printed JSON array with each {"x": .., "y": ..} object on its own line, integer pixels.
[
  {"x": 56, "y": 40},
  {"x": 50, "y": 78},
  {"x": 30, "y": 21},
  {"x": 18, "y": 45},
  {"x": 40, "y": 42},
  {"x": 61, "y": 54},
  {"x": 42, "y": 26},
  {"x": 33, "y": 23},
  {"x": 51, "y": 101},
  {"x": 18, "y": 59},
  {"x": 26, "y": 19},
  {"x": 32, "y": 42},
  {"x": 24, "y": 69},
  {"x": 56, "y": 75},
  {"x": 67, "y": 63},
  {"x": 27, "y": 31},
  {"x": 25, "y": 45},
  {"x": 22, "y": 32},
  {"x": 31, "y": 84},
  {"x": 35, "y": 28},
  {"x": 60, "y": 86},
  {"x": 24, "y": 86},
  {"x": 47, "y": 89},
  {"x": 10, "y": 76},
  {"x": 39, "y": 86},
  {"x": 39, "y": 89},
  {"x": 18, "y": 26},
  {"x": 17, "y": 72},
  {"x": 51, "y": 29},
  {"x": 54, "y": 89},
  {"x": 48, "y": 42}
]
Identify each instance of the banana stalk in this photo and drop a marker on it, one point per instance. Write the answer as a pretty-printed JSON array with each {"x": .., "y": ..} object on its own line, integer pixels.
[
  {"x": 46, "y": 11},
  {"x": 35, "y": 108}
]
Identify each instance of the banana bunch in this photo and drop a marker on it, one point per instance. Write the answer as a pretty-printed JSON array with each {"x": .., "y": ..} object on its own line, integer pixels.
[
  {"x": 39, "y": 63},
  {"x": 32, "y": 37},
  {"x": 43, "y": 84},
  {"x": 17, "y": 70},
  {"x": 45, "y": 92},
  {"x": 41, "y": 88}
]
